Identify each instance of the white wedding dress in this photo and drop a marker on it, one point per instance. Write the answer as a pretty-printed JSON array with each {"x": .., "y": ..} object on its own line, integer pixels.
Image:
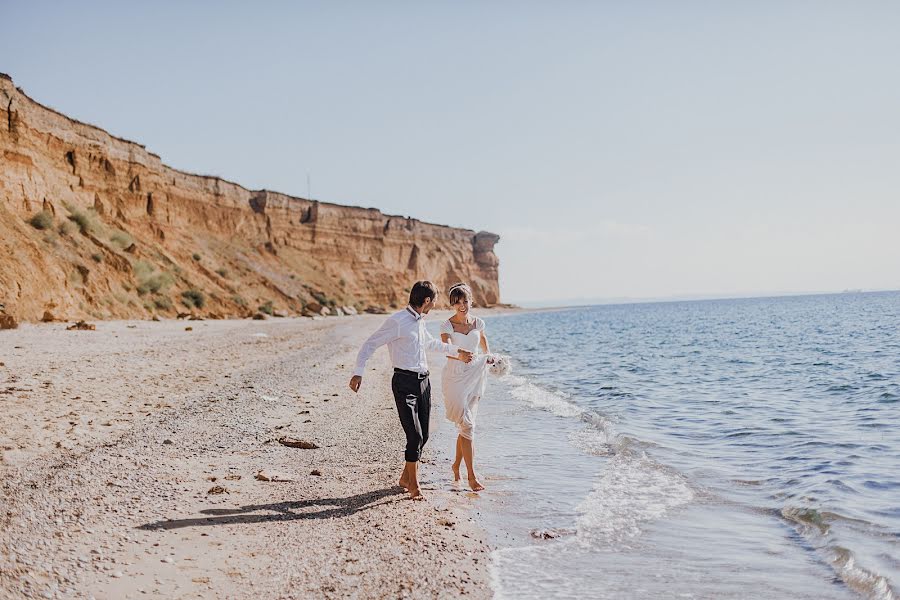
[{"x": 463, "y": 383}]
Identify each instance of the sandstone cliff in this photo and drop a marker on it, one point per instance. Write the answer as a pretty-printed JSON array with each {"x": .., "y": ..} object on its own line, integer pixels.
[{"x": 92, "y": 225}]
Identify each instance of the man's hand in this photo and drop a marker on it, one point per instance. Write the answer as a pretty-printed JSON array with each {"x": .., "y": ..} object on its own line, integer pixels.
[
  {"x": 355, "y": 382},
  {"x": 465, "y": 355}
]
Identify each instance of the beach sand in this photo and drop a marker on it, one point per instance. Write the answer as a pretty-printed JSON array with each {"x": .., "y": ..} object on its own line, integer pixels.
[{"x": 129, "y": 457}]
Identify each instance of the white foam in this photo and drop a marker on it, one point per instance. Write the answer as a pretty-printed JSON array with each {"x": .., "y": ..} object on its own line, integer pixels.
[
  {"x": 631, "y": 490},
  {"x": 543, "y": 399},
  {"x": 597, "y": 442},
  {"x": 869, "y": 584}
]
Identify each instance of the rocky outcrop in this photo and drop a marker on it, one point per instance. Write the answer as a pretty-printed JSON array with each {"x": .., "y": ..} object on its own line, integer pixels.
[{"x": 92, "y": 225}]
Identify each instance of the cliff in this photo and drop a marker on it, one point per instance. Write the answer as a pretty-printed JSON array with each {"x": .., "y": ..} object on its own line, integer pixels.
[{"x": 92, "y": 225}]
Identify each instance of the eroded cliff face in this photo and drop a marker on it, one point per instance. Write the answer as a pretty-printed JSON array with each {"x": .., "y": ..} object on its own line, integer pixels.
[{"x": 96, "y": 226}]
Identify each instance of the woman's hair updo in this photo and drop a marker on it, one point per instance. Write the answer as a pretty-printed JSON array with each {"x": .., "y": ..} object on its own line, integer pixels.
[{"x": 460, "y": 291}]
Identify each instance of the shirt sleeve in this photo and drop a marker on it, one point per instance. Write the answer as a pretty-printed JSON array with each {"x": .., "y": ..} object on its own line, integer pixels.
[
  {"x": 388, "y": 331},
  {"x": 435, "y": 345}
]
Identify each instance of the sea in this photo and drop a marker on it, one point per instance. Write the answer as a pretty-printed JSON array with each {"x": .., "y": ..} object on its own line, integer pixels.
[{"x": 740, "y": 448}]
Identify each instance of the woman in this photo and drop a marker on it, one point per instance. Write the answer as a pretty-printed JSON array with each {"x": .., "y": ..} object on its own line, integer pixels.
[{"x": 463, "y": 383}]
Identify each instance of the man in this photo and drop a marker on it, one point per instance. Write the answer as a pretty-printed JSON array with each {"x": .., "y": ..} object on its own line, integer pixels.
[{"x": 407, "y": 340}]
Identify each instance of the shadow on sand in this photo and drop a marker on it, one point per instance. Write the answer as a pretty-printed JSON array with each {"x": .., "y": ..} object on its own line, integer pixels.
[{"x": 283, "y": 511}]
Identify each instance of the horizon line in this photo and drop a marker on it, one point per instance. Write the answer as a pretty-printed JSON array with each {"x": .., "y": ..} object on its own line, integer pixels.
[{"x": 622, "y": 300}]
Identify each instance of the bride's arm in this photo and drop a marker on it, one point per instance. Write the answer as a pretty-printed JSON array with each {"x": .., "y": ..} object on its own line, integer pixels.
[{"x": 484, "y": 344}]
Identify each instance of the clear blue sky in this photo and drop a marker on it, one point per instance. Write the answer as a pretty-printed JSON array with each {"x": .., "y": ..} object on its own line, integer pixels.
[{"x": 627, "y": 149}]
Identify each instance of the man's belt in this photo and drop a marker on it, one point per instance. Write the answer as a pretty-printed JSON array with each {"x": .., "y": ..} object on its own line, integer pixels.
[{"x": 415, "y": 374}]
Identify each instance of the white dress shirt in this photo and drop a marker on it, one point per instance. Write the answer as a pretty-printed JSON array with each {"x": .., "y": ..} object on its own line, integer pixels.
[{"x": 407, "y": 340}]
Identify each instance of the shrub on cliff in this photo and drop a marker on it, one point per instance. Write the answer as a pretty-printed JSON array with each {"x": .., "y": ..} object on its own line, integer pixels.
[
  {"x": 66, "y": 228},
  {"x": 154, "y": 283},
  {"x": 193, "y": 298},
  {"x": 121, "y": 239},
  {"x": 41, "y": 220},
  {"x": 162, "y": 303},
  {"x": 267, "y": 308},
  {"x": 322, "y": 299},
  {"x": 84, "y": 220},
  {"x": 148, "y": 280}
]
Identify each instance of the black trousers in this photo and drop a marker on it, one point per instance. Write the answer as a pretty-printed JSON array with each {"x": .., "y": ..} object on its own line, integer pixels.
[{"x": 413, "y": 398}]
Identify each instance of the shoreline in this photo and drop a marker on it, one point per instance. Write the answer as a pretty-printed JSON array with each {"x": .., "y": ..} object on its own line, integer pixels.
[{"x": 117, "y": 439}]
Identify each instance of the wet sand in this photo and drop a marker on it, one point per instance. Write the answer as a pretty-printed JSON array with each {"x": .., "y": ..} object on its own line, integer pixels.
[{"x": 128, "y": 457}]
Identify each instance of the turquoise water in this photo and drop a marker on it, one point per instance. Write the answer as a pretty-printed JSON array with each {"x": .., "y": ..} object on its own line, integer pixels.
[{"x": 713, "y": 449}]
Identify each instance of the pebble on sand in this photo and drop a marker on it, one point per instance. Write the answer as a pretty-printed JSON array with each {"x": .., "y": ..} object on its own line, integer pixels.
[
  {"x": 273, "y": 476},
  {"x": 295, "y": 443}
]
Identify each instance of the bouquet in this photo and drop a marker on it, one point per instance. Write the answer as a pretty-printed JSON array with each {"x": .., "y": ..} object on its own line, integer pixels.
[{"x": 500, "y": 365}]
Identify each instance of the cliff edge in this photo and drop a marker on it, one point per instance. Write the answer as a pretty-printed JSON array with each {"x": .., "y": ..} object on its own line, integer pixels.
[{"x": 92, "y": 225}]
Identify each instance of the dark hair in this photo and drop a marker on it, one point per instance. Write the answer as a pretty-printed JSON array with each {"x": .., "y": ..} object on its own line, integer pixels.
[
  {"x": 460, "y": 291},
  {"x": 421, "y": 291}
]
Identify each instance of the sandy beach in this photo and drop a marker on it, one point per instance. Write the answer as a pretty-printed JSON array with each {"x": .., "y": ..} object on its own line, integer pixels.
[{"x": 130, "y": 457}]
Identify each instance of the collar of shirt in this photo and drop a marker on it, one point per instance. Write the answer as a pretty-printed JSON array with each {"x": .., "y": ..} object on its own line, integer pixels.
[{"x": 415, "y": 314}]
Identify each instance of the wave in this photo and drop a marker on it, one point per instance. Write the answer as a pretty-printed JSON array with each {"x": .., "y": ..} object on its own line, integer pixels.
[
  {"x": 632, "y": 490},
  {"x": 538, "y": 397},
  {"x": 816, "y": 528}
]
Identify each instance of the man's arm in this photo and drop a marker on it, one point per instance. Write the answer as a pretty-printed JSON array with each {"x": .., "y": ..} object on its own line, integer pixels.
[
  {"x": 449, "y": 349},
  {"x": 386, "y": 333}
]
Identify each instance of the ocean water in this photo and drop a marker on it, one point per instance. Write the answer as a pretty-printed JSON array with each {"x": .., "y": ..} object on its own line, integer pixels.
[{"x": 713, "y": 449}]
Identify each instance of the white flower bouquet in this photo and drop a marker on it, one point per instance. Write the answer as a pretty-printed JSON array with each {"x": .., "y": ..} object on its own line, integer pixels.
[{"x": 500, "y": 365}]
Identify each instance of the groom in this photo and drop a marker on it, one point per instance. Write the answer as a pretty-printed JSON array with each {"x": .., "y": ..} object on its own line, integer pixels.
[{"x": 407, "y": 340}]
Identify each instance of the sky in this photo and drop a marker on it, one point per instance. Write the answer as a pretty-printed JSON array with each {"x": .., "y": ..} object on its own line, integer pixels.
[{"x": 620, "y": 149}]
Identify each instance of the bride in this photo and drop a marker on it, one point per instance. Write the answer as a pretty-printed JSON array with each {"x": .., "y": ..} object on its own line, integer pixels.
[{"x": 463, "y": 383}]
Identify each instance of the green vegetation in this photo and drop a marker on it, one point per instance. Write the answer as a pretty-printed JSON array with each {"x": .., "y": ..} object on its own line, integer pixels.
[
  {"x": 267, "y": 308},
  {"x": 323, "y": 299},
  {"x": 239, "y": 300},
  {"x": 162, "y": 303},
  {"x": 149, "y": 280},
  {"x": 121, "y": 239},
  {"x": 197, "y": 256},
  {"x": 66, "y": 228},
  {"x": 193, "y": 298},
  {"x": 84, "y": 219},
  {"x": 222, "y": 272},
  {"x": 96, "y": 257},
  {"x": 41, "y": 220}
]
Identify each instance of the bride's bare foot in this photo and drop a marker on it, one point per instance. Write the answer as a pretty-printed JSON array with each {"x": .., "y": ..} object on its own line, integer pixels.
[
  {"x": 455, "y": 472},
  {"x": 475, "y": 485},
  {"x": 415, "y": 494}
]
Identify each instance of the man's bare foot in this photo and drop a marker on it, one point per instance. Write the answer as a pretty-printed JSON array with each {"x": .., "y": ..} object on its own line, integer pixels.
[
  {"x": 415, "y": 494},
  {"x": 455, "y": 472},
  {"x": 475, "y": 485}
]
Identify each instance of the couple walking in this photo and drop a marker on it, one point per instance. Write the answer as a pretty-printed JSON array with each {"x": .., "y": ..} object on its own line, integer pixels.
[{"x": 463, "y": 377}]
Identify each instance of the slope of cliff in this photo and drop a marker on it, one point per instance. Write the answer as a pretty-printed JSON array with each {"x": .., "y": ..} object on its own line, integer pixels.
[{"x": 96, "y": 226}]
